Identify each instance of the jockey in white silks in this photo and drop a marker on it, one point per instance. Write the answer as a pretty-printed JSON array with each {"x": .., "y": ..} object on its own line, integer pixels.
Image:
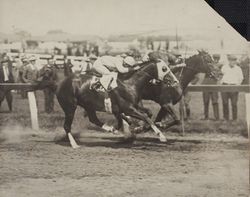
[{"x": 109, "y": 67}]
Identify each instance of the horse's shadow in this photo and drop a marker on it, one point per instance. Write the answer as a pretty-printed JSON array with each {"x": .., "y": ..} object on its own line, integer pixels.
[
  {"x": 5, "y": 112},
  {"x": 143, "y": 143}
]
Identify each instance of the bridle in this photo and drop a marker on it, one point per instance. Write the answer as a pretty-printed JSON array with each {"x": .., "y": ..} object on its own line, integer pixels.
[{"x": 151, "y": 76}]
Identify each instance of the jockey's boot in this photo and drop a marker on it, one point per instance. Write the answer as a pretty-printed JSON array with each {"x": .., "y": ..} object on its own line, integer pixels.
[
  {"x": 95, "y": 84},
  {"x": 107, "y": 102},
  {"x": 106, "y": 82}
]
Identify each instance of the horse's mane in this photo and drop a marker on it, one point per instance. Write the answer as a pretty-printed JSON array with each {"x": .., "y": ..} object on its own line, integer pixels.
[
  {"x": 146, "y": 63},
  {"x": 189, "y": 60},
  {"x": 126, "y": 76}
]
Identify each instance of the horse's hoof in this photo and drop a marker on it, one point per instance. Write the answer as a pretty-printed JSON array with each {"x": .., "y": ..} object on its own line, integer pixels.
[
  {"x": 108, "y": 128},
  {"x": 138, "y": 129},
  {"x": 76, "y": 147},
  {"x": 116, "y": 132},
  {"x": 159, "y": 124},
  {"x": 163, "y": 139}
]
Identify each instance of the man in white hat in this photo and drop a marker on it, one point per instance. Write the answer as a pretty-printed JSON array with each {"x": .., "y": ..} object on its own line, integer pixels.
[
  {"x": 232, "y": 75},
  {"x": 30, "y": 71},
  {"x": 109, "y": 67}
]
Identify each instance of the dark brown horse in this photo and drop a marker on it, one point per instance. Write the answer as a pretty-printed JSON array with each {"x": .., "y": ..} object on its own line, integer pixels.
[
  {"x": 124, "y": 98},
  {"x": 168, "y": 96}
]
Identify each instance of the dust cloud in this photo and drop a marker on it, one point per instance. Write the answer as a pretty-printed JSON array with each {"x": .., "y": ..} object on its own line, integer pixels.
[{"x": 16, "y": 134}]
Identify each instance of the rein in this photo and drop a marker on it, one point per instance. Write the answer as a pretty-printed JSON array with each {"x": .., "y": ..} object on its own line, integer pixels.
[
  {"x": 145, "y": 72},
  {"x": 183, "y": 67}
]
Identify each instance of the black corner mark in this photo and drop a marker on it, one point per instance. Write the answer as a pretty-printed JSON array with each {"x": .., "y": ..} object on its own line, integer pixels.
[{"x": 235, "y": 12}]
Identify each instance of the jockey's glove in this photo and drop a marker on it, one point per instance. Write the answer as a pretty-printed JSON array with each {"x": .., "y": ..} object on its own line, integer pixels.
[
  {"x": 180, "y": 65},
  {"x": 136, "y": 68}
]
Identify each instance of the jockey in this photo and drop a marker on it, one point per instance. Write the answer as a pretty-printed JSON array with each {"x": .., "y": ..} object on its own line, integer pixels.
[
  {"x": 109, "y": 67},
  {"x": 173, "y": 59},
  {"x": 156, "y": 56}
]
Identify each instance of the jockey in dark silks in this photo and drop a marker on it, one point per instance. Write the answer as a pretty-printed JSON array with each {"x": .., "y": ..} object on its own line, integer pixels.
[{"x": 172, "y": 59}]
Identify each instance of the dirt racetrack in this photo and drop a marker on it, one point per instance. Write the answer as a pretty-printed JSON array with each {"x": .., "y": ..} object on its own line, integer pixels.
[
  {"x": 211, "y": 160},
  {"x": 39, "y": 166}
]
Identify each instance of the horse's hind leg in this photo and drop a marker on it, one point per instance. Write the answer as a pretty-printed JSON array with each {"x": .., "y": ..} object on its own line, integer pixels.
[
  {"x": 93, "y": 117},
  {"x": 119, "y": 120},
  {"x": 69, "y": 116},
  {"x": 9, "y": 99},
  {"x": 69, "y": 108}
]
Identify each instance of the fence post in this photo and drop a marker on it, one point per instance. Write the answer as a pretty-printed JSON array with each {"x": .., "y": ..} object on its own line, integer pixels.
[
  {"x": 247, "y": 98},
  {"x": 182, "y": 114},
  {"x": 33, "y": 110}
]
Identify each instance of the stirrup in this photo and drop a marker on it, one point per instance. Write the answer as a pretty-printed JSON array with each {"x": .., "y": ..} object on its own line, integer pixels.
[{"x": 94, "y": 85}]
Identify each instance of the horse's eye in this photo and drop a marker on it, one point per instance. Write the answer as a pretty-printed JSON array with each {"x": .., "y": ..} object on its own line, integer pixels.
[{"x": 164, "y": 69}]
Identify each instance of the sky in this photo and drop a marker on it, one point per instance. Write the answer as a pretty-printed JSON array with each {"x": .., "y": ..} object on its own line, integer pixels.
[{"x": 105, "y": 17}]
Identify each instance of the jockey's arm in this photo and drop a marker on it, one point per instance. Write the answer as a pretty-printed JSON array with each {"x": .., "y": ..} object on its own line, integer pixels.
[
  {"x": 171, "y": 66},
  {"x": 121, "y": 68}
]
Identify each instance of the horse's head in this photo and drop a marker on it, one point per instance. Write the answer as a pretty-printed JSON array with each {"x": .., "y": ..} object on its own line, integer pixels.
[
  {"x": 164, "y": 74},
  {"x": 207, "y": 63},
  {"x": 201, "y": 63}
]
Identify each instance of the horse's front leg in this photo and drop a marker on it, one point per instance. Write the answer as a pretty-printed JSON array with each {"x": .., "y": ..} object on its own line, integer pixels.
[
  {"x": 133, "y": 112},
  {"x": 167, "y": 109},
  {"x": 143, "y": 109}
]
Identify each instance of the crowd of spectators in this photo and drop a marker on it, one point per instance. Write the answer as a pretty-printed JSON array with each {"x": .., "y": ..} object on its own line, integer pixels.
[
  {"x": 233, "y": 71},
  {"x": 82, "y": 49}
]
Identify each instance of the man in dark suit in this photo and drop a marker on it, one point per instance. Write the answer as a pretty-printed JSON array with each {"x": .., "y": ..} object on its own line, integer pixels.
[
  {"x": 212, "y": 96},
  {"x": 49, "y": 94},
  {"x": 6, "y": 76}
]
